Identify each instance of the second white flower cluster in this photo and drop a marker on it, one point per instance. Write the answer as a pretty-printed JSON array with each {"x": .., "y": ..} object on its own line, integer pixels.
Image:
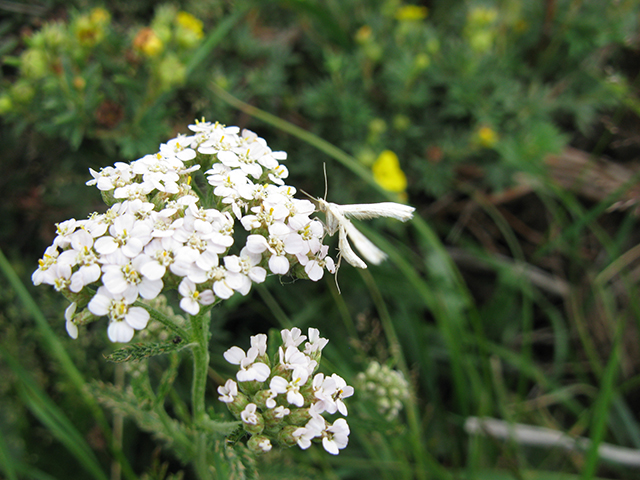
[{"x": 282, "y": 400}]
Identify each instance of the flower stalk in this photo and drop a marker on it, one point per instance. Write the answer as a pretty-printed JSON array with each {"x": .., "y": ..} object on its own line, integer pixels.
[{"x": 200, "y": 351}]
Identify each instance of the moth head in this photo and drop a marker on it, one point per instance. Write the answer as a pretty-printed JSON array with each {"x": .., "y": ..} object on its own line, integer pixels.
[{"x": 321, "y": 204}]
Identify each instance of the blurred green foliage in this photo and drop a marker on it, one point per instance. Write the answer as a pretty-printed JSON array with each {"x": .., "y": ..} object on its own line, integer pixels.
[{"x": 507, "y": 298}]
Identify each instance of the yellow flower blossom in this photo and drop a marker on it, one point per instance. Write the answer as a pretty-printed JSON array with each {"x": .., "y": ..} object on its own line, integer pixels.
[
  {"x": 147, "y": 42},
  {"x": 411, "y": 13},
  {"x": 99, "y": 16},
  {"x": 363, "y": 34},
  {"x": 87, "y": 31},
  {"x": 482, "y": 16},
  {"x": 487, "y": 137},
  {"x": 191, "y": 23},
  {"x": 388, "y": 174}
]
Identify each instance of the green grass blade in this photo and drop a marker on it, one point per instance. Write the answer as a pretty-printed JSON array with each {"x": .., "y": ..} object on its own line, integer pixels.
[
  {"x": 603, "y": 403},
  {"x": 214, "y": 39},
  {"x": 54, "y": 348},
  {"x": 7, "y": 464},
  {"x": 48, "y": 338},
  {"x": 41, "y": 405}
]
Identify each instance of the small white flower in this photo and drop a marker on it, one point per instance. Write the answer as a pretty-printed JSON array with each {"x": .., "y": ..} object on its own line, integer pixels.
[
  {"x": 126, "y": 234},
  {"x": 296, "y": 361},
  {"x": 72, "y": 328},
  {"x": 228, "y": 391},
  {"x": 259, "y": 342},
  {"x": 292, "y": 389},
  {"x": 127, "y": 280},
  {"x": 281, "y": 411},
  {"x": 246, "y": 266},
  {"x": 265, "y": 445},
  {"x": 249, "y": 371},
  {"x": 192, "y": 298},
  {"x": 316, "y": 343},
  {"x": 44, "y": 273},
  {"x": 342, "y": 390},
  {"x": 124, "y": 319},
  {"x": 248, "y": 415},
  {"x": 324, "y": 398},
  {"x": 314, "y": 428},
  {"x": 292, "y": 338},
  {"x": 336, "y": 437}
]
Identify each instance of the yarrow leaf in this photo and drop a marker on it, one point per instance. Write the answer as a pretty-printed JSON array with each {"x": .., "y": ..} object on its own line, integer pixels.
[{"x": 140, "y": 351}]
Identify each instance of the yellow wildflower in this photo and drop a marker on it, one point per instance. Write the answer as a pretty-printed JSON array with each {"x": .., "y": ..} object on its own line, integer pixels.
[
  {"x": 411, "y": 13},
  {"x": 99, "y": 16},
  {"x": 79, "y": 83},
  {"x": 87, "y": 32},
  {"x": 148, "y": 42},
  {"x": 482, "y": 16},
  {"x": 388, "y": 174},
  {"x": 487, "y": 137},
  {"x": 363, "y": 35},
  {"x": 190, "y": 23}
]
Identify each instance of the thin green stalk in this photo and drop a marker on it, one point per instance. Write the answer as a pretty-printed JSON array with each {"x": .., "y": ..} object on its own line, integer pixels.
[
  {"x": 164, "y": 319},
  {"x": 601, "y": 410},
  {"x": 200, "y": 350},
  {"x": 274, "y": 307},
  {"x": 53, "y": 418},
  {"x": 7, "y": 465},
  {"x": 421, "y": 454},
  {"x": 200, "y": 463}
]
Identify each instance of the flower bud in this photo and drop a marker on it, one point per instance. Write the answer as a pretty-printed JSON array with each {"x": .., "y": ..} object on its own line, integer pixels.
[
  {"x": 6, "y": 105},
  {"x": 252, "y": 420},
  {"x": 259, "y": 444},
  {"x": 298, "y": 416},
  {"x": 286, "y": 435},
  {"x": 251, "y": 388},
  {"x": 147, "y": 42},
  {"x": 261, "y": 397},
  {"x": 33, "y": 63},
  {"x": 171, "y": 72},
  {"x": 189, "y": 31},
  {"x": 239, "y": 404},
  {"x": 274, "y": 416}
]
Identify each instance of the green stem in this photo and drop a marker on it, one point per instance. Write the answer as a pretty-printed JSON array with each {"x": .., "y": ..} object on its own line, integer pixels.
[
  {"x": 200, "y": 350},
  {"x": 200, "y": 339},
  {"x": 162, "y": 318}
]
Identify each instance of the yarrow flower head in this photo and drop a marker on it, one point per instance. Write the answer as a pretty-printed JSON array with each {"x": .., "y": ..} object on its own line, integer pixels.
[
  {"x": 386, "y": 387},
  {"x": 282, "y": 401},
  {"x": 159, "y": 234}
]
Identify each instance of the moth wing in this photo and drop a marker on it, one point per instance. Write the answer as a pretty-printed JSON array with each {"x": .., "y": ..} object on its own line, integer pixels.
[
  {"x": 364, "y": 245},
  {"x": 346, "y": 251},
  {"x": 364, "y": 211},
  {"x": 332, "y": 215}
]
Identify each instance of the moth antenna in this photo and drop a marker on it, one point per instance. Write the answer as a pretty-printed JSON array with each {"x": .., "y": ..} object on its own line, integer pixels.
[
  {"x": 335, "y": 275},
  {"x": 310, "y": 196}
]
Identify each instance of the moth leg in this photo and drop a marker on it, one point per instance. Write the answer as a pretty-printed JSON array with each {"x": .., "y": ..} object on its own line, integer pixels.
[
  {"x": 365, "y": 246},
  {"x": 346, "y": 251}
]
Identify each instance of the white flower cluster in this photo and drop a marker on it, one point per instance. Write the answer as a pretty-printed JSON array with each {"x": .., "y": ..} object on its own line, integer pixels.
[
  {"x": 282, "y": 400},
  {"x": 160, "y": 232},
  {"x": 387, "y": 388}
]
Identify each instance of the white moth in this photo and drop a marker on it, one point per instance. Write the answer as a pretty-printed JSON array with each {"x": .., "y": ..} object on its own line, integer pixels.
[{"x": 337, "y": 220}]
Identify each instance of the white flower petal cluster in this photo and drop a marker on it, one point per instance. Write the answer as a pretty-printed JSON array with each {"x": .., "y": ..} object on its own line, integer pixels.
[
  {"x": 158, "y": 233},
  {"x": 284, "y": 399},
  {"x": 386, "y": 387}
]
